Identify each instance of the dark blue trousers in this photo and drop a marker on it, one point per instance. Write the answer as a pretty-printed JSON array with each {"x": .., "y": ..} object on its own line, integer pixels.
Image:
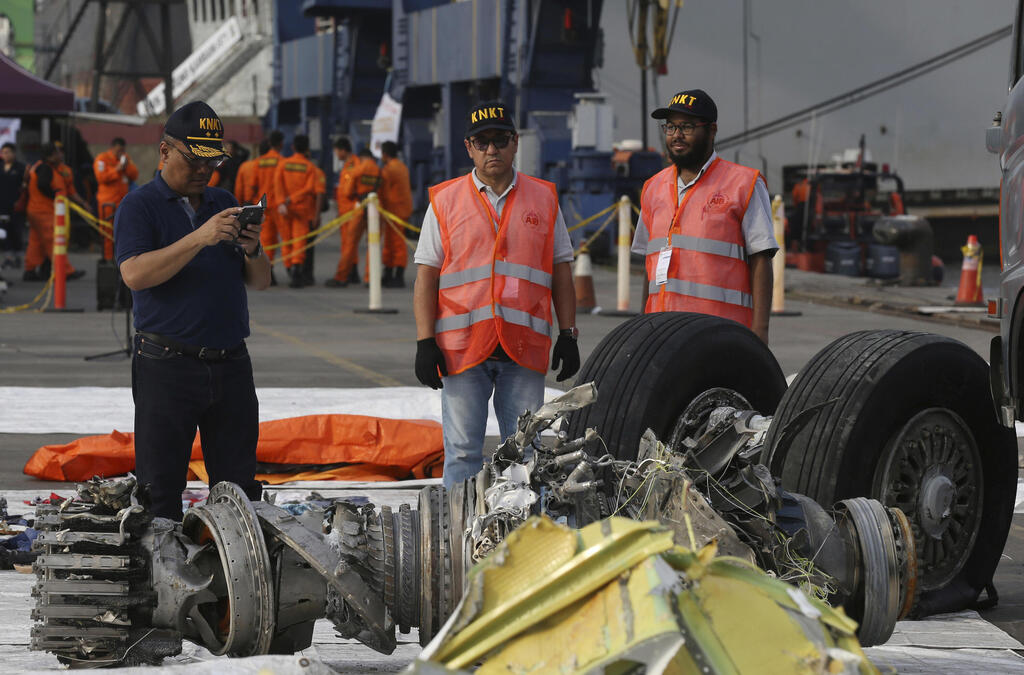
[{"x": 174, "y": 394}]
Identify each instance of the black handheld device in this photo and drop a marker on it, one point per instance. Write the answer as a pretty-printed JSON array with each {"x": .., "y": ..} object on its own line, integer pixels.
[{"x": 252, "y": 215}]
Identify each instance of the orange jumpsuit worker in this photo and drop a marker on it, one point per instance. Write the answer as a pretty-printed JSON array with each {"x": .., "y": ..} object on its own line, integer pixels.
[
  {"x": 47, "y": 178},
  {"x": 295, "y": 182},
  {"x": 246, "y": 186},
  {"x": 115, "y": 171},
  {"x": 320, "y": 199},
  {"x": 266, "y": 167},
  {"x": 367, "y": 181},
  {"x": 396, "y": 197},
  {"x": 345, "y": 196}
]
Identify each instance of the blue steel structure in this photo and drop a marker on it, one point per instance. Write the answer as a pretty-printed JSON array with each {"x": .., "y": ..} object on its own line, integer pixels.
[{"x": 438, "y": 58}]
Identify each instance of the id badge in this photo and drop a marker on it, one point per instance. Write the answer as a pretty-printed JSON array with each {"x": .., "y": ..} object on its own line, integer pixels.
[{"x": 661, "y": 273}]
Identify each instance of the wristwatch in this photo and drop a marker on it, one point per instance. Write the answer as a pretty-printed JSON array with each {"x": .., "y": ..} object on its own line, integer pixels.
[
  {"x": 571, "y": 332},
  {"x": 255, "y": 254}
]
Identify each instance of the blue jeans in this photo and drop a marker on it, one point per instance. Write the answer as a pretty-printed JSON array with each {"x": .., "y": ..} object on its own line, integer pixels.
[{"x": 464, "y": 411}]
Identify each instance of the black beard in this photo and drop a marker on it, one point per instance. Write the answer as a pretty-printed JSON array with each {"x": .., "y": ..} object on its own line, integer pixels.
[{"x": 694, "y": 158}]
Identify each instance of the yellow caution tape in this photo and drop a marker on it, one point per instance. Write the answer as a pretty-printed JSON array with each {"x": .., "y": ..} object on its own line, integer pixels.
[
  {"x": 587, "y": 221},
  {"x": 46, "y": 291},
  {"x": 589, "y": 240},
  {"x": 105, "y": 228},
  {"x": 322, "y": 232},
  {"x": 395, "y": 219}
]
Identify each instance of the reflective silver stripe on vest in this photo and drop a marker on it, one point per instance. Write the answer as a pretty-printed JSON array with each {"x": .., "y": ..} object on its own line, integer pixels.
[
  {"x": 704, "y": 291},
  {"x": 699, "y": 244},
  {"x": 521, "y": 318},
  {"x": 460, "y": 321},
  {"x": 655, "y": 245},
  {"x": 467, "y": 276},
  {"x": 525, "y": 272},
  {"x": 516, "y": 316}
]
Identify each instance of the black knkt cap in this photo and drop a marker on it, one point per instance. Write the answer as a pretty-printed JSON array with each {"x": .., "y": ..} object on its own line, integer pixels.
[
  {"x": 199, "y": 128},
  {"x": 489, "y": 115},
  {"x": 694, "y": 102}
]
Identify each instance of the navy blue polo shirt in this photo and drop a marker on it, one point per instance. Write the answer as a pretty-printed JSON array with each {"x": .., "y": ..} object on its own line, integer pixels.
[{"x": 205, "y": 303}]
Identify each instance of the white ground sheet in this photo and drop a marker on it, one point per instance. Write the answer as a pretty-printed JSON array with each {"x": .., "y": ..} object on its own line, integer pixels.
[{"x": 100, "y": 410}]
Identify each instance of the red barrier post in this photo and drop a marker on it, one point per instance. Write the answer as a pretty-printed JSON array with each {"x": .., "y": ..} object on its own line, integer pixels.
[{"x": 60, "y": 252}]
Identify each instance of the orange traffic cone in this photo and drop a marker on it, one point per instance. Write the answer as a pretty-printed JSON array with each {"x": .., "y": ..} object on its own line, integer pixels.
[
  {"x": 584, "y": 281},
  {"x": 969, "y": 292}
]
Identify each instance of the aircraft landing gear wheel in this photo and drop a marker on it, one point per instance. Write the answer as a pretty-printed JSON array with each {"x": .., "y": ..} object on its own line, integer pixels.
[
  {"x": 651, "y": 368},
  {"x": 906, "y": 418}
]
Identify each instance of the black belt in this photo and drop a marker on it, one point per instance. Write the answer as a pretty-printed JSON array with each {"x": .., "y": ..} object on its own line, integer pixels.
[
  {"x": 201, "y": 353},
  {"x": 499, "y": 354}
]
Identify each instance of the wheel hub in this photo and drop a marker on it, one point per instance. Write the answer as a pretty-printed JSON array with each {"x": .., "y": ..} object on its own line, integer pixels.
[
  {"x": 695, "y": 418},
  {"x": 931, "y": 470},
  {"x": 937, "y": 496}
]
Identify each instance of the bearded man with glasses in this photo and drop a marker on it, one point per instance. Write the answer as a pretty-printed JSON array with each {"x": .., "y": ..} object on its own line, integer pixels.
[
  {"x": 187, "y": 261},
  {"x": 705, "y": 224},
  {"x": 493, "y": 255}
]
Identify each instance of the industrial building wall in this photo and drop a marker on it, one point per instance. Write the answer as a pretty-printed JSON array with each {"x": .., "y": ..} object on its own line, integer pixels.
[
  {"x": 240, "y": 85},
  {"x": 132, "y": 54},
  {"x": 931, "y": 129}
]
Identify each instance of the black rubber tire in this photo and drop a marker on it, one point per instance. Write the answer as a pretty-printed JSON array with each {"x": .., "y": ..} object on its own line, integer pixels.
[
  {"x": 878, "y": 380},
  {"x": 648, "y": 369}
]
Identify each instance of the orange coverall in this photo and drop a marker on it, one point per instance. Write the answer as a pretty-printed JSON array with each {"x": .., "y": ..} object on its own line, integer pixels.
[
  {"x": 245, "y": 183},
  {"x": 364, "y": 179},
  {"x": 345, "y": 195},
  {"x": 113, "y": 179},
  {"x": 396, "y": 197},
  {"x": 295, "y": 179},
  {"x": 40, "y": 214},
  {"x": 266, "y": 168}
]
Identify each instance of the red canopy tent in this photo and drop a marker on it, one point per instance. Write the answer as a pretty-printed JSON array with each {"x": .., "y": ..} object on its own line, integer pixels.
[{"x": 22, "y": 93}]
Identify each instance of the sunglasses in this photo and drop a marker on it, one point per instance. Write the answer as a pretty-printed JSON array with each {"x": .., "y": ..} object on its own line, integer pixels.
[
  {"x": 500, "y": 142},
  {"x": 196, "y": 162}
]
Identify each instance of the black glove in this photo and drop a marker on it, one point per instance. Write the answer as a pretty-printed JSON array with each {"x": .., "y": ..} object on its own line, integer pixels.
[
  {"x": 430, "y": 359},
  {"x": 566, "y": 353}
]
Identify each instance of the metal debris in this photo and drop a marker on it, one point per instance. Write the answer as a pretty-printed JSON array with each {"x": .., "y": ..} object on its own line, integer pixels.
[{"x": 245, "y": 578}]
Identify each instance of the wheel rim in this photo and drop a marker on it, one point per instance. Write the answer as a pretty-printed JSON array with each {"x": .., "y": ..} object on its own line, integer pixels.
[
  {"x": 694, "y": 420},
  {"x": 931, "y": 470}
]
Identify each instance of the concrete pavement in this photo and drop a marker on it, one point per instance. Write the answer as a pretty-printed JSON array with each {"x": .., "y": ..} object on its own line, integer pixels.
[{"x": 313, "y": 338}]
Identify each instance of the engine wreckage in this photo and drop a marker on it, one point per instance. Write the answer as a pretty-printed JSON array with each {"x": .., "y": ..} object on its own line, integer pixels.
[{"x": 116, "y": 585}]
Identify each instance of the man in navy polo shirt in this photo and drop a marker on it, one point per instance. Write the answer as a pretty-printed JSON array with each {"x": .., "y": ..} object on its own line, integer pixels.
[{"x": 187, "y": 260}]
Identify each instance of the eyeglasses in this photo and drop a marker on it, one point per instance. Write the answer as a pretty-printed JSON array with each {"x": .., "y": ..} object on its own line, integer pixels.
[
  {"x": 500, "y": 142},
  {"x": 196, "y": 162},
  {"x": 686, "y": 128}
]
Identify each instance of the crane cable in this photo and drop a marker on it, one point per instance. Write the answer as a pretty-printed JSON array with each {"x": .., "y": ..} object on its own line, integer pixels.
[{"x": 865, "y": 91}]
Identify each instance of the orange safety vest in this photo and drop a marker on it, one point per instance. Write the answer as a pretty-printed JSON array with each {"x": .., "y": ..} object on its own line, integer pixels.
[
  {"x": 295, "y": 179},
  {"x": 62, "y": 182},
  {"x": 495, "y": 287},
  {"x": 113, "y": 179},
  {"x": 395, "y": 192},
  {"x": 708, "y": 271},
  {"x": 266, "y": 168}
]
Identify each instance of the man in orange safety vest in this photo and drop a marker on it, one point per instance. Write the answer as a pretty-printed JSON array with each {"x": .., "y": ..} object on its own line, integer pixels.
[
  {"x": 493, "y": 255},
  {"x": 705, "y": 224}
]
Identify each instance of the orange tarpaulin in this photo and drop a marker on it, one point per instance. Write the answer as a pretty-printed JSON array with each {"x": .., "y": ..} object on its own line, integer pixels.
[{"x": 370, "y": 448}]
